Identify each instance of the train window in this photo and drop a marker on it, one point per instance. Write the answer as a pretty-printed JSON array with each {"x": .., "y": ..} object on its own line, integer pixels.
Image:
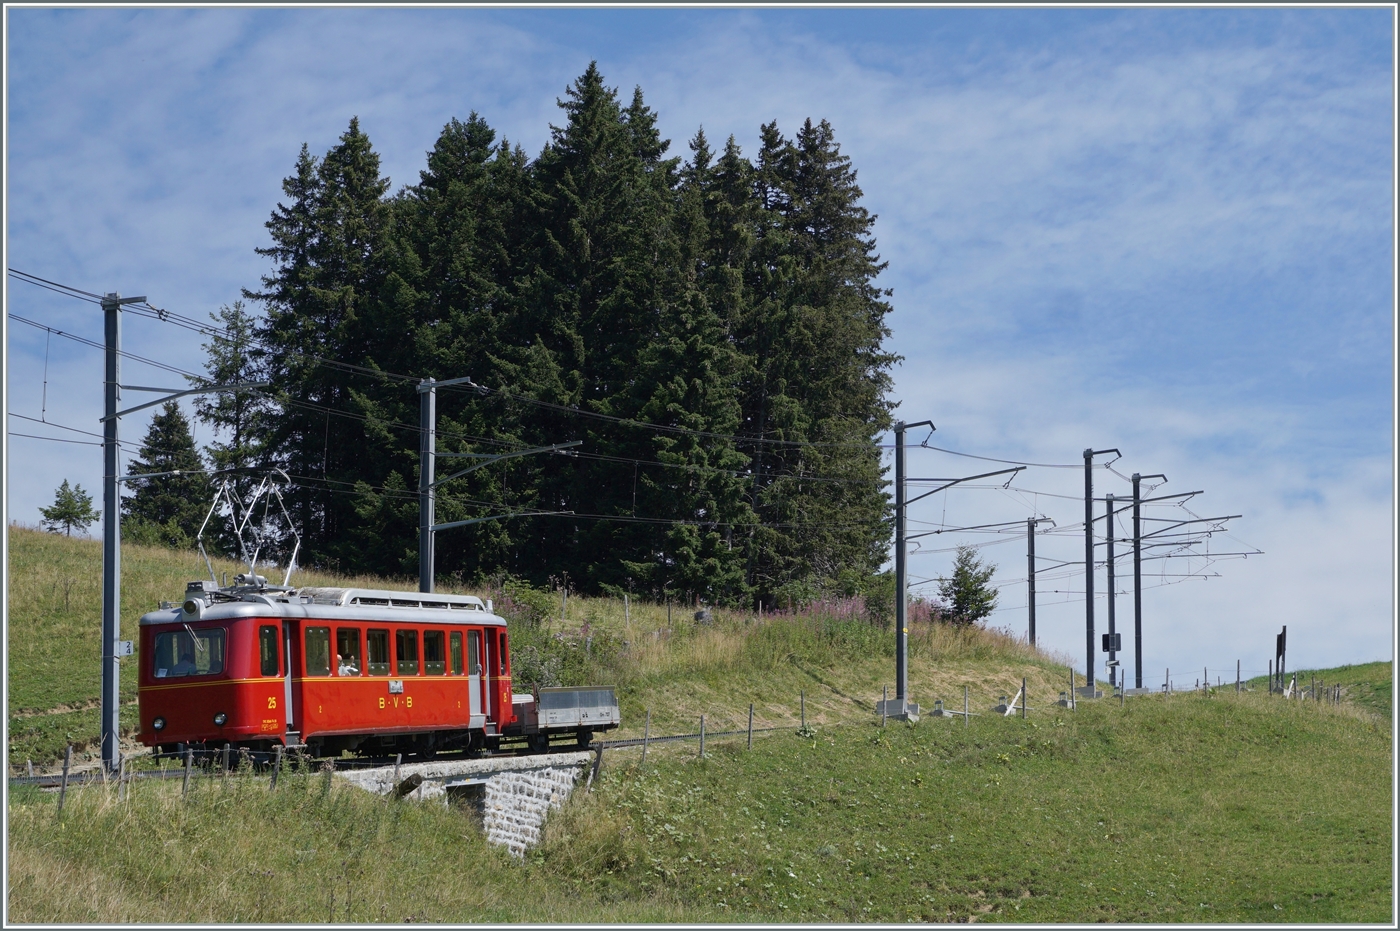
[
  {"x": 504, "y": 654},
  {"x": 406, "y": 648},
  {"x": 377, "y": 646},
  {"x": 456, "y": 644},
  {"x": 189, "y": 652},
  {"x": 434, "y": 657},
  {"x": 474, "y": 653},
  {"x": 318, "y": 651},
  {"x": 267, "y": 650},
  {"x": 347, "y": 648}
]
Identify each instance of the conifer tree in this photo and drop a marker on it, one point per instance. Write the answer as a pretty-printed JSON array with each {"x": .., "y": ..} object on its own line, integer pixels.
[
  {"x": 816, "y": 398},
  {"x": 712, "y": 330},
  {"x": 72, "y": 509},
  {"x": 240, "y": 415},
  {"x": 167, "y": 509},
  {"x": 327, "y": 276},
  {"x": 967, "y": 592},
  {"x": 605, "y": 276}
]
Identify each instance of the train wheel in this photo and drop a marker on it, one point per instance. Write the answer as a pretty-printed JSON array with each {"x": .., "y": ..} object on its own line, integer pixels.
[
  {"x": 585, "y": 737},
  {"x": 538, "y": 743}
]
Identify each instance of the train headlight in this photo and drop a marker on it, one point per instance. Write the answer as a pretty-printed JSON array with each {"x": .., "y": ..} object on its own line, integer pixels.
[
  {"x": 220, "y": 719},
  {"x": 193, "y": 607},
  {"x": 158, "y": 724}
]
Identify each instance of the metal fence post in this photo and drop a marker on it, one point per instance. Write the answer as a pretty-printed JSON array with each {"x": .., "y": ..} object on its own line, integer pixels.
[
  {"x": 802, "y": 697},
  {"x": 189, "y": 764},
  {"x": 597, "y": 765},
  {"x": 276, "y": 769},
  {"x": 884, "y": 704},
  {"x": 965, "y": 706},
  {"x": 1237, "y": 677},
  {"x": 63, "y": 785},
  {"x": 646, "y": 736},
  {"x": 750, "y": 726},
  {"x": 1023, "y": 699},
  {"x": 702, "y": 736}
]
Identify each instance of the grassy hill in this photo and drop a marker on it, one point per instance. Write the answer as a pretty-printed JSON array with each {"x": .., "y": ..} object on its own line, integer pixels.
[
  {"x": 1190, "y": 808},
  {"x": 659, "y": 658}
]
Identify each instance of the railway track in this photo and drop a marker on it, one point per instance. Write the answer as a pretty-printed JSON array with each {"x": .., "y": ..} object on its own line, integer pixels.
[
  {"x": 209, "y": 762},
  {"x": 209, "y": 765}
]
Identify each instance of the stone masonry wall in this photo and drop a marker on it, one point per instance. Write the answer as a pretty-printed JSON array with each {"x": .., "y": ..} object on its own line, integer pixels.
[
  {"x": 518, "y": 802},
  {"x": 520, "y": 791}
]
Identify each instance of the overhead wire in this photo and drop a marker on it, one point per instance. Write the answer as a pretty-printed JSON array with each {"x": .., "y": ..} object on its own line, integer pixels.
[
  {"x": 149, "y": 310},
  {"x": 146, "y": 309}
]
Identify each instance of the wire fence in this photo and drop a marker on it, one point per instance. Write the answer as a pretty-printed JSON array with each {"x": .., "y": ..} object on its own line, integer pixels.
[{"x": 226, "y": 761}]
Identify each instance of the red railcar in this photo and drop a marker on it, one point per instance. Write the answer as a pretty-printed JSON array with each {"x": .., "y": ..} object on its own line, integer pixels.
[{"x": 326, "y": 670}]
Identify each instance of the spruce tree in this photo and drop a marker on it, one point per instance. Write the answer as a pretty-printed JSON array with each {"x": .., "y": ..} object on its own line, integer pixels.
[
  {"x": 319, "y": 303},
  {"x": 967, "y": 593},
  {"x": 167, "y": 509},
  {"x": 712, "y": 330},
  {"x": 240, "y": 416},
  {"x": 816, "y": 397},
  {"x": 605, "y": 275},
  {"x": 452, "y": 261},
  {"x": 72, "y": 509}
]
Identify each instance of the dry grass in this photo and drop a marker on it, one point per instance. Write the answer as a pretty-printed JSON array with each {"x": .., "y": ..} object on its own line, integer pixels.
[{"x": 659, "y": 658}]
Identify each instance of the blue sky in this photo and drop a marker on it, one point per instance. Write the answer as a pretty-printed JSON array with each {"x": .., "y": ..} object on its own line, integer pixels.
[{"x": 1168, "y": 231}]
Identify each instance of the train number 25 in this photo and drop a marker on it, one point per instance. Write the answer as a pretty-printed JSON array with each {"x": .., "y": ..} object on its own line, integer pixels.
[{"x": 272, "y": 701}]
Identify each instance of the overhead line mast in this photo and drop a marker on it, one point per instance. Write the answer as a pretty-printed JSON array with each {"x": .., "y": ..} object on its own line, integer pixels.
[{"x": 1089, "y": 455}]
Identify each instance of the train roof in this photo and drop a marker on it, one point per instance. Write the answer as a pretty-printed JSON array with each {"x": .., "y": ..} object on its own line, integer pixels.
[
  {"x": 385, "y": 598},
  {"x": 324, "y": 603}
]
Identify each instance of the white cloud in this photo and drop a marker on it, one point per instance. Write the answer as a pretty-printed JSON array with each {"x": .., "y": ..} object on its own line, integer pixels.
[{"x": 1182, "y": 252}]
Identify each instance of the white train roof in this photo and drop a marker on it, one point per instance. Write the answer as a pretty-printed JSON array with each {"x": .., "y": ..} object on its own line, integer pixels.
[
  {"x": 350, "y": 604},
  {"x": 385, "y": 598}
]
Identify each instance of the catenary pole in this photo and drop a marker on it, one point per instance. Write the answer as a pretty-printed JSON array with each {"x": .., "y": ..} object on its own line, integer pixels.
[
  {"x": 1089, "y": 563},
  {"x": 427, "y": 446},
  {"x": 901, "y": 574},
  {"x": 1030, "y": 578},
  {"x": 901, "y": 607},
  {"x": 110, "y": 699},
  {"x": 111, "y": 532},
  {"x": 1030, "y": 574},
  {"x": 1111, "y": 591},
  {"x": 1089, "y": 455},
  {"x": 1137, "y": 578},
  {"x": 1137, "y": 572}
]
